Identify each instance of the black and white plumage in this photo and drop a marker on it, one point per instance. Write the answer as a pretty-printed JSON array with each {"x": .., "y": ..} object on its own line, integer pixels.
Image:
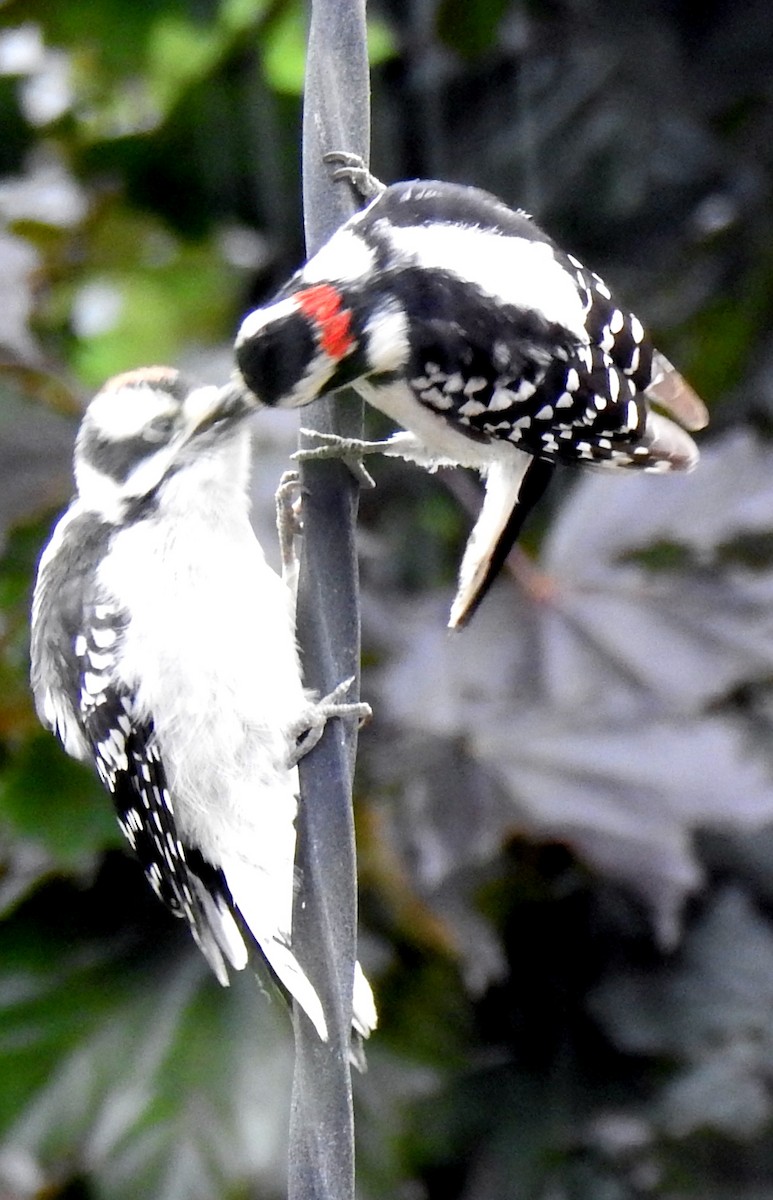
[
  {"x": 467, "y": 325},
  {"x": 163, "y": 651}
]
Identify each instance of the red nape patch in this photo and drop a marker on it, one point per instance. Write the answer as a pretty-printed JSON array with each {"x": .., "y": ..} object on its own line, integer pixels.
[{"x": 323, "y": 305}]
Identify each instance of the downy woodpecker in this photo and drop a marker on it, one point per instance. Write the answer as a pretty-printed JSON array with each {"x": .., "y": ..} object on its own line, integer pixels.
[
  {"x": 163, "y": 651},
  {"x": 461, "y": 320}
]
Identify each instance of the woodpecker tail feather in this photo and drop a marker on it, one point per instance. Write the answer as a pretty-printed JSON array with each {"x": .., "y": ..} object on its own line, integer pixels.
[
  {"x": 669, "y": 447},
  {"x": 670, "y": 391},
  {"x": 364, "y": 1014},
  {"x": 513, "y": 487},
  {"x": 218, "y": 935}
]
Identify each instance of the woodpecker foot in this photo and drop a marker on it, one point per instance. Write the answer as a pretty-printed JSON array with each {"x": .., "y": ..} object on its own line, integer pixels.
[
  {"x": 332, "y": 705},
  {"x": 351, "y": 169},
  {"x": 289, "y": 525},
  {"x": 289, "y": 505},
  {"x": 349, "y": 450}
]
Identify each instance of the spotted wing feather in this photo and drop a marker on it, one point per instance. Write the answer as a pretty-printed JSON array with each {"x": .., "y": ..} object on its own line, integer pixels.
[
  {"x": 130, "y": 766},
  {"x": 508, "y": 374}
]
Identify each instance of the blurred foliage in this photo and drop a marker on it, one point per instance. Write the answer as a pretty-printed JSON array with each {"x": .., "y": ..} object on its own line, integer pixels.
[{"x": 565, "y": 814}]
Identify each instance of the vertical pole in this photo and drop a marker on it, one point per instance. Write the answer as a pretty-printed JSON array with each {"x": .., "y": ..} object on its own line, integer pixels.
[{"x": 336, "y": 117}]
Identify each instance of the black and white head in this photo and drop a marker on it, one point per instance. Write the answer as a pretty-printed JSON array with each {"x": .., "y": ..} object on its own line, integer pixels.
[
  {"x": 290, "y": 351},
  {"x": 144, "y": 427}
]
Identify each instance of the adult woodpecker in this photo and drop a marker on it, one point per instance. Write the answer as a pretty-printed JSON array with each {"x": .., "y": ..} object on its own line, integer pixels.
[{"x": 461, "y": 320}]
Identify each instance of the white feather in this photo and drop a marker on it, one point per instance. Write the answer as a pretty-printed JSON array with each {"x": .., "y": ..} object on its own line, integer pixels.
[
  {"x": 515, "y": 270},
  {"x": 503, "y": 486},
  {"x": 343, "y": 259},
  {"x": 433, "y": 441}
]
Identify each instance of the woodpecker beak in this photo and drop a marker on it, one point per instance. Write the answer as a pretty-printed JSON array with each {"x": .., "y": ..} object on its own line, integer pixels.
[{"x": 210, "y": 407}]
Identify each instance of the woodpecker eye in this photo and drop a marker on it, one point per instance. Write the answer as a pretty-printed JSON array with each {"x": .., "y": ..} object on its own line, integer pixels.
[{"x": 159, "y": 429}]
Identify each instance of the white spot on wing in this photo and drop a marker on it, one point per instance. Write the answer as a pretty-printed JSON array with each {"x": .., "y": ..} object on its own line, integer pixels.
[
  {"x": 437, "y": 398},
  {"x": 614, "y": 385},
  {"x": 633, "y": 415},
  {"x": 500, "y": 355},
  {"x": 93, "y": 683},
  {"x": 637, "y": 329},
  {"x": 526, "y": 390},
  {"x": 474, "y": 384},
  {"x": 502, "y": 398},
  {"x": 472, "y": 408},
  {"x": 103, "y": 638}
]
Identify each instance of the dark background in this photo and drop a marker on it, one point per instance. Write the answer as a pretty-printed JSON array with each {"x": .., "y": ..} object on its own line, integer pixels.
[{"x": 564, "y": 813}]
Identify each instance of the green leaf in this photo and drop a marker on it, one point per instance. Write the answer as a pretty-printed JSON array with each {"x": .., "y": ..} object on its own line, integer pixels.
[
  {"x": 284, "y": 48},
  {"x": 382, "y": 44},
  {"x": 147, "y": 296},
  {"x": 180, "y": 52},
  {"x": 470, "y": 28}
]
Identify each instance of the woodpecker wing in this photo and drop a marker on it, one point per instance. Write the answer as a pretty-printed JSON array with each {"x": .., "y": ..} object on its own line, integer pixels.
[
  {"x": 130, "y": 766},
  {"x": 506, "y": 374},
  {"x": 57, "y": 612}
]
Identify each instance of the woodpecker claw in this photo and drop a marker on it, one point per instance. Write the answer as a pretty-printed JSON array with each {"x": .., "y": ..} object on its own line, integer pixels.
[
  {"x": 332, "y": 705},
  {"x": 348, "y": 450},
  {"x": 352, "y": 170},
  {"x": 289, "y": 526}
]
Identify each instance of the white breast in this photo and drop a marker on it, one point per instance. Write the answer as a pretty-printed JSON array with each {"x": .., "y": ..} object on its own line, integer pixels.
[
  {"x": 210, "y": 650},
  {"x": 444, "y": 444}
]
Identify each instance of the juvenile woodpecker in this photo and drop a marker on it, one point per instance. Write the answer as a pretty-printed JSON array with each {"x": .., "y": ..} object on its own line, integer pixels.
[
  {"x": 163, "y": 651},
  {"x": 461, "y": 320}
]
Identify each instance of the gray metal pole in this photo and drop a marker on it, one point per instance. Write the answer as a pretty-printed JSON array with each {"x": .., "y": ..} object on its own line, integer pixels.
[{"x": 336, "y": 117}]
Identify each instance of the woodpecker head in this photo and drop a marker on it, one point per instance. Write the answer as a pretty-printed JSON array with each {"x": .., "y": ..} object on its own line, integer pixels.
[
  {"x": 317, "y": 339},
  {"x": 145, "y": 426},
  {"x": 291, "y": 351}
]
